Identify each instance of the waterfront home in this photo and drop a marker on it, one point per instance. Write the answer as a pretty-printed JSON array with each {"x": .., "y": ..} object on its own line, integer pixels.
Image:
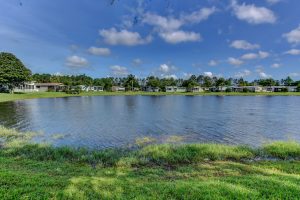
[
  {"x": 281, "y": 88},
  {"x": 117, "y": 89},
  {"x": 218, "y": 89},
  {"x": 39, "y": 87},
  {"x": 151, "y": 89},
  {"x": 175, "y": 89},
  {"x": 26, "y": 87},
  {"x": 47, "y": 87},
  {"x": 248, "y": 88},
  {"x": 91, "y": 88},
  {"x": 196, "y": 89}
]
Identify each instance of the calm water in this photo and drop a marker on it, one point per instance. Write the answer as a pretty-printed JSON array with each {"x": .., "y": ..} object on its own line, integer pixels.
[{"x": 108, "y": 121}]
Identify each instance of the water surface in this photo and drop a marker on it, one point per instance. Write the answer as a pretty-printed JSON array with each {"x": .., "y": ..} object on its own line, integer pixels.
[{"x": 113, "y": 121}]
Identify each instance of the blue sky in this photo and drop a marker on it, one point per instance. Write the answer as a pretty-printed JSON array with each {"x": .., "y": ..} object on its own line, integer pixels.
[{"x": 170, "y": 38}]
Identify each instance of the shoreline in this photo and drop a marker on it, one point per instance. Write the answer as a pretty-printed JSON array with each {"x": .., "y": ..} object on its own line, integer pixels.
[
  {"x": 4, "y": 97},
  {"x": 157, "y": 171}
]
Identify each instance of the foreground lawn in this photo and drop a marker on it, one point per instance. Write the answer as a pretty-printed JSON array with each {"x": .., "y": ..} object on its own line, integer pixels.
[
  {"x": 12, "y": 97},
  {"x": 147, "y": 171}
]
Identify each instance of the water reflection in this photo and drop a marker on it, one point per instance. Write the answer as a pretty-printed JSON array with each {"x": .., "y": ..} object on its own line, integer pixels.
[{"x": 108, "y": 121}]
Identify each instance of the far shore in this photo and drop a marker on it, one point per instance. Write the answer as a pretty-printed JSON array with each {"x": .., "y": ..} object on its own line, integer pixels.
[{"x": 4, "y": 97}]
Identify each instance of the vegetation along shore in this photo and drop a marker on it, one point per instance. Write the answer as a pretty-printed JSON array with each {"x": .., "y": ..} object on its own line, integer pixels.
[
  {"x": 147, "y": 170},
  {"x": 4, "y": 97}
]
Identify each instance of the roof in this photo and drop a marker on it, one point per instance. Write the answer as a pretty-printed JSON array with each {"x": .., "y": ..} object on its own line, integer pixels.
[{"x": 48, "y": 84}]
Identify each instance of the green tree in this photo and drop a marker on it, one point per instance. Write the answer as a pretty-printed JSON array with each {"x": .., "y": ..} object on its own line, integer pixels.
[
  {"x": 12, "y": 71},
  {"x": 131, "y": 82},
  {"x": 153, "y": 81},
  {"x": 207, "y": 81},
  {"x": 288, "y": 81}
]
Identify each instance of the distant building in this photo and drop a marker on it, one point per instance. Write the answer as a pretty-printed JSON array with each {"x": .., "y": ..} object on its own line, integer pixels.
[
  {"x": 91, "y": 88},
  {"x": 281, "y": 88},
  {"x": 249, "y": 88},
  {"x": 151, "y": 89},
  {"x": 46, "y": 87},
  {"x": 26, "y": 87},
  {"x": 196, "y": 89},
  {"x": 117, "y": 89},
  {"x": 175, "y": 89},
  {"x": 39, "y": 87}
]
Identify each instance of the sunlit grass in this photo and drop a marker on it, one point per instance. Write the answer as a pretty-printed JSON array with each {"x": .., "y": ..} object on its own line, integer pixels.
[{"x": 147, "y": 171}]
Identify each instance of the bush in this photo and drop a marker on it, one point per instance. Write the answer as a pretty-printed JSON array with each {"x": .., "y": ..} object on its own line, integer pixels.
[
  {"x": 284, "y": 90},
  {"x": 228, "y": 90},
  {"x": 76, "y": 90},
  {"x": 246, "y": 90}
]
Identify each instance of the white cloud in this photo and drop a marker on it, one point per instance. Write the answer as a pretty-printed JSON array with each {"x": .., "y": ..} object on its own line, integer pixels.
[
  {"x": 243, "y": 44},
  {"x": 210, "y": 74},
  {"x": 213, "y": 63},
  {"x": 198, "y": 16},
  {"x": 123, "y": 37},
  {"x": 161, "y": 22},
  {"x": 264, "y": 75},
  {"x": 243, "y": 73},
  {"x": 294, "y": 74},
  {"x": 187, "y": 75},
  {"x": 293, "y": 36},
  {"x": 169, "y": 76},
  {"x": 252, "y": 56},
  {"x": 76, "y": 61},
  {"x": 166, "y": 69},
  {"x": 117, "y": 70},
  {"x": 293, "y": 52},
  {"x": 235, "y": 61},
  {"x": 137, "y": 61},
  {"x": 275, "y": 65},
  {"x": 175, "y": 37},
  {"x": 168, "y": 28},
  {"x": 99, "y": 51},
  {"x": 273, "y": 1},
  {"x": 170, "y": 23},
  {"x": 249, "y": 56},
  {"x": 263, "y": 54},
  {"x": 253, "y": 14}
]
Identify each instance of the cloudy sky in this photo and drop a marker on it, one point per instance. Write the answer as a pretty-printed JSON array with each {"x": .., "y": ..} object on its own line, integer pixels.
[{"x": 167, "y": 38}]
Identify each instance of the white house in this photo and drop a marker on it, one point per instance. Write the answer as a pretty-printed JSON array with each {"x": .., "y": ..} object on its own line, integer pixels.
[
  {"x": 249, "y": 88},
  {"x": 39, "y": 87},
  {"x": 175, "y": 89},
  {"x": 196, "y": 89},
  {"x": 151, "y": 89},
  {"x": 26, "y": 87},
  {"x": 118, "y": 89},
  {"x": 91, "y": 88}
]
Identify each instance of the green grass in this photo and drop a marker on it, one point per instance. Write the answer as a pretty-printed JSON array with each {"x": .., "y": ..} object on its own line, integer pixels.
[
  {"x": 12, "y": 97},
  {"x": 147, "y": 171}
]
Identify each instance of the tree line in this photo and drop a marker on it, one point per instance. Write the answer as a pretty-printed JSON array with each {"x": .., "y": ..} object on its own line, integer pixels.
[{"x": 13, "y": 73}]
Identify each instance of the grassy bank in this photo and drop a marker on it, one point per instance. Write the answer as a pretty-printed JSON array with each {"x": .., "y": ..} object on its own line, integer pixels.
[
  {"x": 12, "y": 97},
  {"x": 147, "y": 171}
]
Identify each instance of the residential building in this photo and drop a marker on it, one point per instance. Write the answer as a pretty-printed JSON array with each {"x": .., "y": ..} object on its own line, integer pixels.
[
  {"x": 118, "y": 89},
  {"x": 196, "y": 89},
  {"x": 175, "y": 89}
]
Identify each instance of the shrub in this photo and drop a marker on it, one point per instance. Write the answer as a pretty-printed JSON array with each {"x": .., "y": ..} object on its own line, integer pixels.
[
  {"x": 228, "y": 90},
  {"x": 246, "y": 90}
]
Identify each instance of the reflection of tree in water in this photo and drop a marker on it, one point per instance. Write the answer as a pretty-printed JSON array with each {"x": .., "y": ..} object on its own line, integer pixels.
[{"x": 11, "y": 113}]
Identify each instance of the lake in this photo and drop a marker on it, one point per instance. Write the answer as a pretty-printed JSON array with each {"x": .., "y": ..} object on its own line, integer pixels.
[{"x": 114, "y": 121}]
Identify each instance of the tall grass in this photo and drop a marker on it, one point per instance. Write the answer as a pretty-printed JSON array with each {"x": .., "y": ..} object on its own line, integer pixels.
[{"x": 17, "y": 144}]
